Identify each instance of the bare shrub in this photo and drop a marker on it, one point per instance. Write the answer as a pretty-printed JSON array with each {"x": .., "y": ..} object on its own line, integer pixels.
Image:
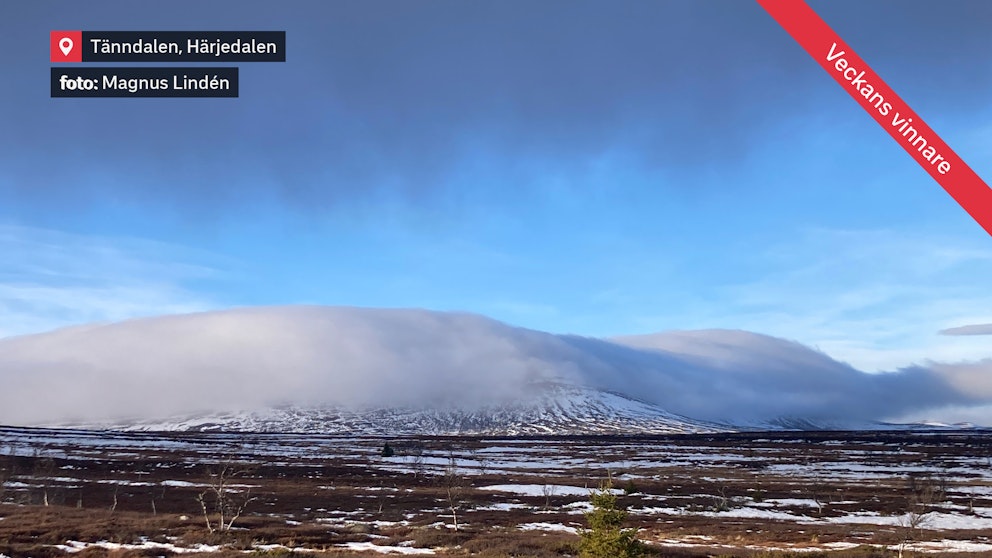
[
  {"x": 6, "y": 471},
  {"x": 42, "y": 473},
  {"x": 481, "y": 458},
  {"x": 925, "y": 492},
  {"x": 222, "y": 500},
  {"x": 548, "y": 490},
  {"x": 452, "y": 483}
]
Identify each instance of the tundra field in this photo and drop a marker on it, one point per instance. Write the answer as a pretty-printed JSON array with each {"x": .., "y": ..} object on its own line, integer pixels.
[{"x": 742, "y": 494}]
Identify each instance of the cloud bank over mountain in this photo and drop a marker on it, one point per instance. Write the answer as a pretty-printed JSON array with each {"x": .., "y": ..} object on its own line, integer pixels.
[{"x": 251, "y": 358}]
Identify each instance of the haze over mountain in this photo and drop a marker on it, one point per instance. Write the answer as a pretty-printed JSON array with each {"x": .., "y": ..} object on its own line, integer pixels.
[{"x": 355, "y": 358}]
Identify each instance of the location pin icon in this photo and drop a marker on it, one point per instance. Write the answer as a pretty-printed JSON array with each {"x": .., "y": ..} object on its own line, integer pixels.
[{"x": 65, "y": 46}]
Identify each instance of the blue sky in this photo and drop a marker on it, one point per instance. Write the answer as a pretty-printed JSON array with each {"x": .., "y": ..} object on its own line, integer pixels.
[{"x": 599, "y": 168}]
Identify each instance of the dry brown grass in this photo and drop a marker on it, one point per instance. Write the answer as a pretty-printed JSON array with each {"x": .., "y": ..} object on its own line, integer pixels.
[{"x": 297, "y": 499}]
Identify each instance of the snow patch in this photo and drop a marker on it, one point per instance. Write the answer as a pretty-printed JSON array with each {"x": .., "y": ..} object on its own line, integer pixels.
[
  {"x": 554, "y": 527},
  {"x": 367, "y": 546}
]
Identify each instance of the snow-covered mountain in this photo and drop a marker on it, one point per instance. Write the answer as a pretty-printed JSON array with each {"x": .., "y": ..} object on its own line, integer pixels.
[
  {"x": 548, "y": 408},
  {"x": 342, "y": 369}
]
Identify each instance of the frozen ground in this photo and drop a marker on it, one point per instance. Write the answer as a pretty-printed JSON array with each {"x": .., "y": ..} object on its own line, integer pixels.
[{"x": 931, "y": 492}]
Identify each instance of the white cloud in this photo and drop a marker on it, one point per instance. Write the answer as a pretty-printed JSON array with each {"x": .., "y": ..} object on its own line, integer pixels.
[
  {"x": 255, "y": 357},
  {"x": 971, "y": 329},
  {"x": 51, "y": 279},
  {"x": 874, "y": 298}
]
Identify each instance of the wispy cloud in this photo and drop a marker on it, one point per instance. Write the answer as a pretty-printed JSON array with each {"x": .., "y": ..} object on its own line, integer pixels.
[
  {"x": 972, "y": 329},
  {"x": 874, "y": 298},
  {"x": 51, "y": 279}
]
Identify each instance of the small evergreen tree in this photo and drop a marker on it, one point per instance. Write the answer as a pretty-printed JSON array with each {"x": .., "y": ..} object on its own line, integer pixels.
[
  {"x": 387, "y": 450},
  {"x": 604, "y": 538}
]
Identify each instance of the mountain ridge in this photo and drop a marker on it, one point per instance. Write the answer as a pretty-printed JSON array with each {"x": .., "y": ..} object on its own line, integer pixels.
[
  {"x": 550, "y": 408},
  {"x": 553, "y": 409}
]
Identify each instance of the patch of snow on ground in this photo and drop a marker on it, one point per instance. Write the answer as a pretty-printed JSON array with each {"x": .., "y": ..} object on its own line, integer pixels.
[
  {"x": 538, "y": 489},
  {"x": 797, "y": 502},
  {"x": 693, "y": 541},
  {"x": 366, "y": 546},
  {"x": 72, "y": 547},
  {"x": 180, "y": 483},
  {"x": 976, "y": 490},
  {"x": 948, "y": 546},
  {"x": 557, "y": 527},
  {"x": 503, "y": 507},
  {"x": 935, "y": 520},
  {"x": 752, "y": 513},
  {"x": 945, "y": 545}
]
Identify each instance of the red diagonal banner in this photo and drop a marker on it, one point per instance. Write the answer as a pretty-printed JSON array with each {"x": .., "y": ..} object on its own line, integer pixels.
[{"x": 891, "y": 112}]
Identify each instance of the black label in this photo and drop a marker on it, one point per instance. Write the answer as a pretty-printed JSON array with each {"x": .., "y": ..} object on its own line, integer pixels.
[
  {"x": 145, "y": 82},
  {"x": 184, "y": 46}
]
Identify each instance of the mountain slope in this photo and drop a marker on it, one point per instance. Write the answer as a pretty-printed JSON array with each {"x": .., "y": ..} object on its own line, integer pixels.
[{"x": 550, "y": 408}]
